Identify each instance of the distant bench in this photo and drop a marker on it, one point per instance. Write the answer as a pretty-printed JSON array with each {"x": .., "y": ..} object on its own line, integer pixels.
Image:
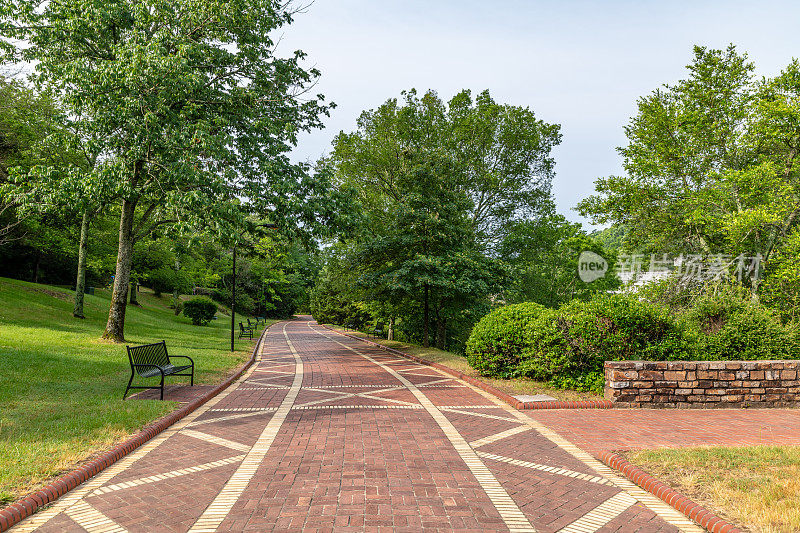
[{"x": 152, "y": 360}]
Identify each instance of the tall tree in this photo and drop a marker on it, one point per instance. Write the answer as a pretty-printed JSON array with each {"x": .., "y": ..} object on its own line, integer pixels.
[
  {"x": 185, "y": 100},
  {"x": 710, "y": 162},
  {"x": 500, "y": 156},
  {"x": 503, "y": 155}
]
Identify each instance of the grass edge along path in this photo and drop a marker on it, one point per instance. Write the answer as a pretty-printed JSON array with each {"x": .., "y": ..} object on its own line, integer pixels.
[
  {"x": 61, "y": 389},
  {"x": 754, "y": 487},
  {"x": 25, "y": 507},
  {"x": 458, "y": 364}
]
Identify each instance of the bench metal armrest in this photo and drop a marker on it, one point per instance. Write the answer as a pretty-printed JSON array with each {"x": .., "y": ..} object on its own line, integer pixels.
[{"x": 183, "y": 357}]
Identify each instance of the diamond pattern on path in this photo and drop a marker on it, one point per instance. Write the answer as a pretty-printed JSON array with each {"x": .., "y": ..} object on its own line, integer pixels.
[{"x": 328, "y": 433}]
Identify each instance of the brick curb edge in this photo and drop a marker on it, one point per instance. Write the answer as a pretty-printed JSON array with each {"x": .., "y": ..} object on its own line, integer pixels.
[
  {"x": 705, "y": 518},
  {"x": 21, "y": 509},
  {"x": 557, "y": 404}
]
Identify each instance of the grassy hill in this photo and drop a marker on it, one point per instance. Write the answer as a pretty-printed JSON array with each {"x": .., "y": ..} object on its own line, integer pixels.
[{"x": 61, "y": 385}]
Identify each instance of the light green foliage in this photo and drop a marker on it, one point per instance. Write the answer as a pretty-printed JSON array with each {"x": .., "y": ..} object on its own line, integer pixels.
[
  {"x": 183, "y": 102},
  {"x": 543, "y": 257},
  {"x": 497, "y": 341},
  {"x": 201, "y": 310},
  {"x": 167, "y": 280},
  {"x": 731, "y": 326},
  {"x": 781, "y": 285},
  {"x": 710, "y": 162},
  {"x": 438, "y": 185},
  {"x": 503, "y": 157},
  {"x": 335, "y": 298}
]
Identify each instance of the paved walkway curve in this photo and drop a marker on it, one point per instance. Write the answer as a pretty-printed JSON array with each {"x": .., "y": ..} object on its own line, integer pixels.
[{"x": 327, "y": 433}]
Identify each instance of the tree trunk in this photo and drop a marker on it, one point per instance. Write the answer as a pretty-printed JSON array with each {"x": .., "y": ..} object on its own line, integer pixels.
[
  {"x": 80, "y": 282},
  {"x": 36, "y": 266},
  {"x": 115, "y": 328},
  {"x": 426, "y": 319},
  {"x": 134, "y": 289},
  {"x": 441, "y": 333}
]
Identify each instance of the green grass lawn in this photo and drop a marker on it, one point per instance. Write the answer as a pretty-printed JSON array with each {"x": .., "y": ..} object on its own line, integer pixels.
[
  {"x": 61, "y": 385},
  {"x": 757, "y": 487},
  {"x": 459, "y": 362}
]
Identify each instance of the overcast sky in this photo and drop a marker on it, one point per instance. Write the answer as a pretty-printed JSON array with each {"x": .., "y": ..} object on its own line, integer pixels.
[{"x": 580, "y": 64}]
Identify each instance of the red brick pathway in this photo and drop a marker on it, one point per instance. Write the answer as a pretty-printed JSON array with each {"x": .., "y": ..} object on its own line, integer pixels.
[
  {"x": 625, "y": 429},
  {"x": 326, "y": 433}
]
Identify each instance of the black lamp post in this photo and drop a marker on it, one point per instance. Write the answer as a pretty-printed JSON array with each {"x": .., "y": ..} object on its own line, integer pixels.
[{"x": 233, "y": 291}]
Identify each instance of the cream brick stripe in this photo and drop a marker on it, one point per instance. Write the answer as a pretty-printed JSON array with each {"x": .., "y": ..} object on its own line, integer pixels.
[
  {"x": 601, "y": 515},
  {"x": 342, "y": 395},
  {"x": 244, "y": 409},
  {"x": 93, "y": 520},
  {"x": 265, "y": 387},
  {"x": 481, "y": 415},
  {"x": 167, "y": 475},
  {"x": 74, "y": 496},
  {"x": 660, "y": 508},
  {"x": 256, "y": 410},
  {"x": 319, "y": 407},
  {"x": 215, "y": 513},
  {"x": 223, "y": 418},
  {"x": 544, "y": 468},
  {"x": 511, "y": 514},
  {"x": 219, "y": 441},
  {"x": 499, "y": 436}
]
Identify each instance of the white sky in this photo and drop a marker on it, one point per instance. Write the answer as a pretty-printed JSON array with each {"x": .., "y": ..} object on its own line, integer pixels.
[{"x": 580, "y": 64}]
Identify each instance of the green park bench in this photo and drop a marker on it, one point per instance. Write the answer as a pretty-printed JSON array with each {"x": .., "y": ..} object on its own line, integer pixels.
[
  {"x": 377, "y": 331},
  {"x": 152, "y": 360},
  {"x": 245, "y": 331}
]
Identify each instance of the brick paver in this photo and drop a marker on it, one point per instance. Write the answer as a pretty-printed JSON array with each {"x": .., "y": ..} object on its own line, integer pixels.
[
  {"x": 326, "y": 433},
  {"x": 625, "y": 429}
]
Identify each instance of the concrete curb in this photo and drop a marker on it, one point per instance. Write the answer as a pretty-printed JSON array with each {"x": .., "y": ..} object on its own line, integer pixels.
[
  {"x": 681, "y": 503},
  {"x": 582, "y": 404},
  {"x": 21, "y": 509}
]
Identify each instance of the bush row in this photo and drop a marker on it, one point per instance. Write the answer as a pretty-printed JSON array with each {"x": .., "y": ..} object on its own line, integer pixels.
[{"x": 568, "y": 346}]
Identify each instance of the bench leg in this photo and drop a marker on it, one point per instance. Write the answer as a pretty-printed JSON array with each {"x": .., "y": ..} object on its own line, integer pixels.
[
  {"x": 128, "y": 387},
  {"x": 162, "y": 386},
  {"x": 191, "y": 380}
]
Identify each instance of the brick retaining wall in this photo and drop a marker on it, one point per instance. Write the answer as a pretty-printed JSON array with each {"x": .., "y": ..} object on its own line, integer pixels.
[{"x": 693, "y": 384}]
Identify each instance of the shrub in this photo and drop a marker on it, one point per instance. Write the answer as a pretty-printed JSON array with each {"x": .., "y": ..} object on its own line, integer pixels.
[
  {"x": 201, "y": 310},
  {"x": 580, "y": 336},
  {"x": 781, "y": 286},
  {"x": 588, "y": 381},
  {"x": 675, "y": 292},
  {"x": 244, "y": 303},
  {"x": 495, "y": 346},
  {"x": 731, "y": 326},
  {"x": 167, "y": 280}
]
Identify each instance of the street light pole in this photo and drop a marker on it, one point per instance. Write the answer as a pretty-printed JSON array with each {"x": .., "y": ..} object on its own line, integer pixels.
[{"x": 233, "y": 299}]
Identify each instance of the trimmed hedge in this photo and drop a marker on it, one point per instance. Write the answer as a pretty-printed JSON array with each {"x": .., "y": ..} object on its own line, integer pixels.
[
  {"x": 568, "y": 346},
  {"x": 580, "y": 336},
  {"x": 496, "y": 344},
  {"x": 201, "y": 310},
  {"x": 731, "y": 328}
]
